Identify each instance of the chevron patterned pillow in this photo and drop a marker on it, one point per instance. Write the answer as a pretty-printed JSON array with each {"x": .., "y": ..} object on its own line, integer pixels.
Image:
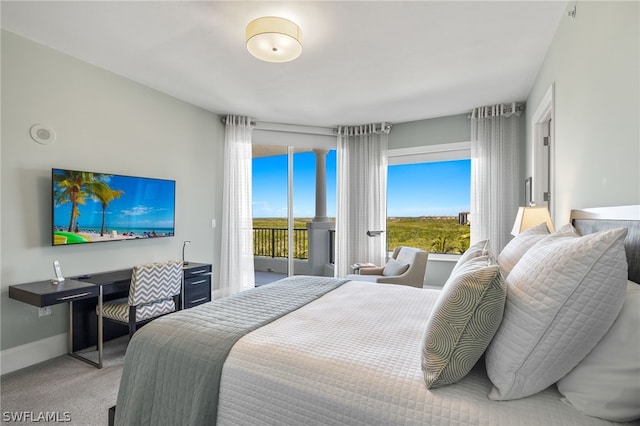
[{"x": 464, "y": 319}]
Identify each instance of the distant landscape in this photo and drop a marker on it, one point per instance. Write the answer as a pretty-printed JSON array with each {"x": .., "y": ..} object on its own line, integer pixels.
[{"x": 433, "y": 234}]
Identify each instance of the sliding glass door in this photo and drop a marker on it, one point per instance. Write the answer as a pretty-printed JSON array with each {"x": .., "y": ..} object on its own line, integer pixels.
[{"x": 284, "y": 207}]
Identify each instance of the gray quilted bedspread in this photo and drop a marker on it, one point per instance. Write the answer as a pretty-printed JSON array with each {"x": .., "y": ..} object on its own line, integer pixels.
[{"x": 173, "y": 365}]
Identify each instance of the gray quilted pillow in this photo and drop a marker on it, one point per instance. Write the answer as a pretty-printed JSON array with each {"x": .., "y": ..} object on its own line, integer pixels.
[
  {"x": 464, "y": 319},
  {"x": 562, "y": 297}
]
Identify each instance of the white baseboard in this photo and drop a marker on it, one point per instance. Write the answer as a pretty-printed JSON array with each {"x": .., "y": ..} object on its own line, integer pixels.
[{"x": 22, "y": 356}]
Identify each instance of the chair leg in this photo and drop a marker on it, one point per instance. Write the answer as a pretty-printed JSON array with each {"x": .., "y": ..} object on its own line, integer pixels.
[
  {"x": 112, "y": 416},
  {"x": 132, "y": 321},
  {"x": 177, "y": 302}
]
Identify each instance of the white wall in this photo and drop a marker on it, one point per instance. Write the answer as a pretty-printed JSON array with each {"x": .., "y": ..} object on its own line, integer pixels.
[
  {"x": 594, "y": 62},
  {"x": 434, "y": 131},
  {"x": 104, "y": 123}
]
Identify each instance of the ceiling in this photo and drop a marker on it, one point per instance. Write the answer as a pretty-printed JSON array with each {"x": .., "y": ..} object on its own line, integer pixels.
[{"x": 363, "y": 61}]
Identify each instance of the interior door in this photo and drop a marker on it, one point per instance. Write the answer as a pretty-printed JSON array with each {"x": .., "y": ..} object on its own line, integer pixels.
[{"x": 543, "y": 152}]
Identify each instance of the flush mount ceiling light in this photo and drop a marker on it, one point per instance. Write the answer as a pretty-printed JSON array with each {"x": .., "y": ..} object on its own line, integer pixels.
[{"x": 274, "y": 39}]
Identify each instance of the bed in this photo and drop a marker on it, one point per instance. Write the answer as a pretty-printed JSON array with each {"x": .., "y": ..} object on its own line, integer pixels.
[{"x": 321, "y": 351}]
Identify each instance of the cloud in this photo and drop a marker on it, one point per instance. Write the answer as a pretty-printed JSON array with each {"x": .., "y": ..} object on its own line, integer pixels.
[{"x": 137, "y": 211}]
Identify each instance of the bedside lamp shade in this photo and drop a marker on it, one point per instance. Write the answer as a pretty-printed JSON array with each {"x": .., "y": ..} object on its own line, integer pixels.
[{"x": 531, "y": 216}]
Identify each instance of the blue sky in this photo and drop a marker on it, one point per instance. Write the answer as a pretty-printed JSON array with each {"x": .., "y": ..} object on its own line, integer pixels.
[
  {"x": 429, "y": 189},
  {"x": 270, "y": 185},
  {"x": 426, "y": 189},
  {"x": 145, "y": 203}
]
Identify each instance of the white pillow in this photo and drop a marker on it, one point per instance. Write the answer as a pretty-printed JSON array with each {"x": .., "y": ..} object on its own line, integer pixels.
[
  {"x": 516, "y": 248},
  {"x": 562, "y": 297},
  {"x": 394, "y": 268},
  {"x": 567, "y": 230},
  {"x": 481, "y": 248},
  {"x": 606, "y": 383}
]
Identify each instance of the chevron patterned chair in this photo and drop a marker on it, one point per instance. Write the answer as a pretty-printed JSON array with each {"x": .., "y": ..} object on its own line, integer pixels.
[{"x": 155, "y": 291}]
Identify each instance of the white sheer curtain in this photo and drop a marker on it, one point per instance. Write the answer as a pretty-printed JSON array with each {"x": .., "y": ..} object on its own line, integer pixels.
[
  {"x": 495, "y": 173},
  {"x": 236, "y": 257},
  {"x": 362, "y": 195}
]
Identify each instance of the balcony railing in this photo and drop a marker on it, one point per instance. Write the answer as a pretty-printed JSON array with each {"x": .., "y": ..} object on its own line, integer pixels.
[{"x": 273, "y": 242}]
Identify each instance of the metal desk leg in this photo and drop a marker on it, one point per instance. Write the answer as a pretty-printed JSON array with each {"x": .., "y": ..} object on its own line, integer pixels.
[
  {"x": 100, "y": 329},
  {"x": 70, "y": 340}
]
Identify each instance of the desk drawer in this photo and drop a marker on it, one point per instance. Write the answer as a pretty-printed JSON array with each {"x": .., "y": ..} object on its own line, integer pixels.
[
  {"x": 43, "y": 293},
  {"x": 197, "y": 286},
  {"x": 70, "y": 296},
  {"x": 196, "y": 295},
  {"x": 195, "y": 271}
]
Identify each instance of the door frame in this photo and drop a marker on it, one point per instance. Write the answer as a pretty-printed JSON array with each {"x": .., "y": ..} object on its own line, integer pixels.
[{"x": 543, "y": 167}]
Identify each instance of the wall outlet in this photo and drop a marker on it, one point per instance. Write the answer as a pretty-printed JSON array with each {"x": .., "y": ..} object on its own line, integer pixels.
[
  {"x": 43, "y": 312},
  {"x": 213, "y": 223}
]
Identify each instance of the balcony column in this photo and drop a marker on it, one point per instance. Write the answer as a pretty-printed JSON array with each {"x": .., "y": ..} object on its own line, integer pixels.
[
  {"x": 320, "y": 226},
  {"x": 321, "y": 185}
]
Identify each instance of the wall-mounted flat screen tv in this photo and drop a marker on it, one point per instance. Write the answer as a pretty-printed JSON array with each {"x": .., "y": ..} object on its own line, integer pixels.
[{"x": 91, "y": 207}]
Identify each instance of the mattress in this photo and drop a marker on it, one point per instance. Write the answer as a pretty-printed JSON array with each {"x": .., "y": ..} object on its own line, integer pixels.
[{"x": 352, "y": 357}]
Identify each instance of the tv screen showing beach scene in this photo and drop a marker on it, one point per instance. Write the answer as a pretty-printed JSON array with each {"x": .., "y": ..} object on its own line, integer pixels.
[{"x": 91, "y": 207}]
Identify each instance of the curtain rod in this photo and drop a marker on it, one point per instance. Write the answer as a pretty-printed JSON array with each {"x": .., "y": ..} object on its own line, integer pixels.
[
  {"x": 269, "y": 126},
  {"x": 512, "y": 108},
  {"x": 224, "y": 121},
  {"x": 378, "y": 128},
  {"x": 313, "y": 130}
]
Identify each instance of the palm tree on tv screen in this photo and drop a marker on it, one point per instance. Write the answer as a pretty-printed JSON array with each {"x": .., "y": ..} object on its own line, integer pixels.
[
  {"x": 70, "y": 189},
  {"x": 75, "y": 187},
  {"x": 104, "y": 194}
]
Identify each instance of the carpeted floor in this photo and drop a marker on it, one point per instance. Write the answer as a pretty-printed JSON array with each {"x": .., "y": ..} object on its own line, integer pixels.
[
  {"x": 264, "y": 277},
  {"x": 69, "y": 390},
  {"x": 64, "y": 389}
]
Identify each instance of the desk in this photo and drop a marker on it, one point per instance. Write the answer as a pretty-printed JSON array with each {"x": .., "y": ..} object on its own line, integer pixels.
[{"x": 83, "y": 294}]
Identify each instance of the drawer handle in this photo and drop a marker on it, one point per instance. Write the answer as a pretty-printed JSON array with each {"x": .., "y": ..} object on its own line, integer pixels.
[
  {"x": 201, "y": 271},
  {"x": 198, "y": 282},
  {"x": 74, "y": 296},
  {"x": 199, "y": 300}
]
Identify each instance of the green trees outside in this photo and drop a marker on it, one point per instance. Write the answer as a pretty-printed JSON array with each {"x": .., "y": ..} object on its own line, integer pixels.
[{"x": 433, "y": 234}]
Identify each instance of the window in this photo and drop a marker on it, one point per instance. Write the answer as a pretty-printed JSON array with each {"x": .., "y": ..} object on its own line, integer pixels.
[{"x": 428, "y": 198}]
